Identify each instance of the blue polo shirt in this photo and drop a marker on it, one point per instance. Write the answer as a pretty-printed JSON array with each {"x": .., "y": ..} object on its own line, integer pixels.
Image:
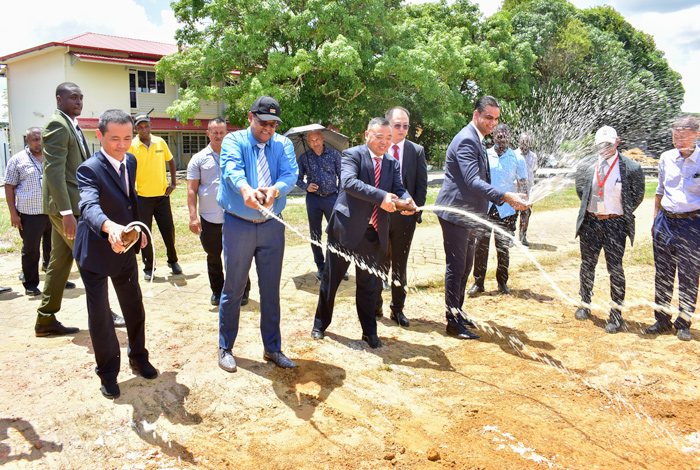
[
  {"x": 239, "y": 165},
  {"x": 506, "y": 170}
]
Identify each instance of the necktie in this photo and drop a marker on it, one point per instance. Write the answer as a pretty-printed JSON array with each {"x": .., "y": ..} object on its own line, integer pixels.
[
  {"x": 377, "y": 173},
  {"x": 488, "y": 166},
  {"x": 396, "y": 152},
  {"x": 122, "y": 177},
  {"x": 264, "y": 180},
  {"x": 602, "y": 170},
  {"x": 82, "y": 140}
]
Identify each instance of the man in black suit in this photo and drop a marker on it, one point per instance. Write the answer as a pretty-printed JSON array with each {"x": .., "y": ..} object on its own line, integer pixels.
[
  {"x": 414, "y": 177},
  {"x": 107, "y": 203},
  {"x": 467, "y": 187},
  {"x": 359, "y": 227},
  {"x": 611, "y": 187}
]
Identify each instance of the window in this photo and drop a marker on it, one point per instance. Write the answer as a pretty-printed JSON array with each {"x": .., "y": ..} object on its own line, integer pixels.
[
  {"x": 193, "y": 143},
  {"x": 147, "y": 83},
  {"x": 132, "y": 91}
]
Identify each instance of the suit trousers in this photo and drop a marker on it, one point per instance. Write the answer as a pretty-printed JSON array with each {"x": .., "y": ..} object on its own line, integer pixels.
[
  {"x": 610, "y": 236},
  {"x": 36, "y": 235},
  {"x": 100, "y": 322},
  {"x": 158, "y": 208},
  {"x": 316, "y": 208},
  {"x": 57, "y": 273},
  {"x": 243, "y": 241},
  {"x": 401, "y": 230},
  {"x": 369, "y": 255},
  {"x": 676, "y": 245},
  {"x": 481, "y": 251},
  {"x": 458, "y": 242}
]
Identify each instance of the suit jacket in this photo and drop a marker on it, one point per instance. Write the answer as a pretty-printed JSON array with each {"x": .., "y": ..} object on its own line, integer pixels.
[
  {"x": 467, "y": 184},
  {"x": 358, "y": 196},
  {"x": 632, "y": 179},
  {"x": 102, "y": 197},
  {"x": 63, "y": 153},
  {"x": 414, "y": 173}
]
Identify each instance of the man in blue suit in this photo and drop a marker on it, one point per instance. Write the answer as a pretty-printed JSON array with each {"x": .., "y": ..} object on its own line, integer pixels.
[
  {"x": 108, "y": 203},
  {"x": 359, "y": 227},
  {"x": 467, "y": 187}
]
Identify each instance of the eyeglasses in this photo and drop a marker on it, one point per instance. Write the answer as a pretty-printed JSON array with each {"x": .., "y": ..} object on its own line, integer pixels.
[
  {"x": 604, "y": 146},
  {"x": 270, "y": 124},
  {"x": 398, "y": 126}
]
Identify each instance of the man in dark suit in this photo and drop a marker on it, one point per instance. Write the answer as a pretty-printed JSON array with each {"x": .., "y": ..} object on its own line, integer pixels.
[
  {"x": 414, "y": 177},
  {"x": 64, "y": 148},
  {"x": 468, "y": 188},
  {"x": 611, "y": 187},
  {"x": 107, "y": 203},
  {"x": 359, "y": 227}
]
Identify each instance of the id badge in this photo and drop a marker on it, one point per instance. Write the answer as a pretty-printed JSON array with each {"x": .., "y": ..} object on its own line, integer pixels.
[{"x": 601, "y": 207}]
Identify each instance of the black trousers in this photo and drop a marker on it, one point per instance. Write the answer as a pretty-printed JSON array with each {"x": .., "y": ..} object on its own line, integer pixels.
[
  {"x": 36, "y": 235},
  {"x": 401, "y": 230},
  {"x": 102, "y": 334},
  {"x": 524, "y": 220},
  {"x": 212, "y": 242},
  {"x": 317, "y": 208},
  {"x": 608, "y": 235},
  {"x": 158, "y": 208},
  {"x": 481, "y": 251},
  {"x": 458, "y": 242},
  {"x": 368, "y": 252}
]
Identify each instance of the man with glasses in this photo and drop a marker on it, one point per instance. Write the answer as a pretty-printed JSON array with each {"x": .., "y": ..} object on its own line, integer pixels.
[
  {"x": 676, "y": 229},
  {"x": 414, "y": 176},
  {"x": 611, "y": 187},
  {"x": 258, "y": 170}
]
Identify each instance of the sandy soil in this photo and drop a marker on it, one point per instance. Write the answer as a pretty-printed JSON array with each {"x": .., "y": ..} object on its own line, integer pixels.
[{"x": 539, "y": 390}]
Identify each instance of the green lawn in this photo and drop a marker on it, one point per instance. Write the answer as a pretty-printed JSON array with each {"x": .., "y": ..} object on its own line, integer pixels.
[{"x": 294, "y": 214}]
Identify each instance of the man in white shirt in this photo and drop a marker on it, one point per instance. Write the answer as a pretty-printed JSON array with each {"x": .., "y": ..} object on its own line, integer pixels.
[
  {"x": 611, "y": 187},
  {"x": 676, "y": 230},
  {"x": 531, "y": 162}
]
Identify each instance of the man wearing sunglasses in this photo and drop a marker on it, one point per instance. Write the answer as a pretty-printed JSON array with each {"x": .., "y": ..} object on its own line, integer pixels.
[
  {"x": 414, "y": 176},
  {"x": 258, "y": 170},
  {"x": 611, "y": 187}
]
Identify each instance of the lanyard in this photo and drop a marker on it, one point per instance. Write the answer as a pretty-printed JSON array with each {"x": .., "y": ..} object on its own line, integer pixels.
[{"x": 597, "y": 173}]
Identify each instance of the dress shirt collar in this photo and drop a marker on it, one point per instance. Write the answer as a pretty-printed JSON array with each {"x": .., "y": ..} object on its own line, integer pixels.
[
  {"x": 74, "y": 121},
  {"x": 254, "y": 142},
  {"x": 481, "y": 137},
  {"x": 692, "y": 157},
  {"x": 610, "y": 160},
  {"x": 113, "y": 161},
  {"x": 371, "y": 154},
  {"x": 401, "y": 146}
]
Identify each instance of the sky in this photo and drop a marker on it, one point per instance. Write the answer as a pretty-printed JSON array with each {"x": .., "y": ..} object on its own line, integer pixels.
[{"x": 672, "y": 23}]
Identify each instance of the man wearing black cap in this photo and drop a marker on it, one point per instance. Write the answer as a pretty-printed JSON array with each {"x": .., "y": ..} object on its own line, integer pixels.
[
  {"x": 153, "y": 191},
  {"x": 258, "y": 170}
]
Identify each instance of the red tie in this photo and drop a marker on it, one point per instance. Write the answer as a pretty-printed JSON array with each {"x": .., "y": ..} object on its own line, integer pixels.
[
  {"x": 377, "y": 172},
  {"x": 396, "y": 152}
]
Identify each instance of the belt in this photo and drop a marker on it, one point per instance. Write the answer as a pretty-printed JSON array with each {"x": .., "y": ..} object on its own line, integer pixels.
[
  {"x": 603, "y": 216},
  {"x": 256, "y": 221},
  {"x": 324, "y": 194},
  {"x": 680, "y": 215}
]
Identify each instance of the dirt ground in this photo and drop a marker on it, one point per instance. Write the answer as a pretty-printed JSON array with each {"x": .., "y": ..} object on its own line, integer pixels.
[{"x": 539, "y": 390}]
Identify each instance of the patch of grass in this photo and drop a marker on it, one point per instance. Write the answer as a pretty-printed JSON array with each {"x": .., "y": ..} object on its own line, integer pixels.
[{"x": 641, "y": 253}]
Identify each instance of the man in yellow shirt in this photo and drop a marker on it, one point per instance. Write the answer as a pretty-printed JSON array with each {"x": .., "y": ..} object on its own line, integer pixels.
[{"x": 153, "y": 191}]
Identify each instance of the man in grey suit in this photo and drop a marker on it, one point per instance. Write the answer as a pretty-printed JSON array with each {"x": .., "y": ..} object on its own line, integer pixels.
[
  {"x": 414, "y": 177},
  {"x": 467, "y": 187},
  {"x": 359, "y": 227},
  {"x": 611, "y": 187}
]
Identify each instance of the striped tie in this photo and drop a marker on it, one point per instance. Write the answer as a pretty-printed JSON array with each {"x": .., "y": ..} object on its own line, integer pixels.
[
  {"x": 264, "y": 180},
  {"x": 377, "y": 173}
]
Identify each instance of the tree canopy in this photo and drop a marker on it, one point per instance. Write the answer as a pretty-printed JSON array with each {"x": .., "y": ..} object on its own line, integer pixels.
[{"x": 342, "y": 62}]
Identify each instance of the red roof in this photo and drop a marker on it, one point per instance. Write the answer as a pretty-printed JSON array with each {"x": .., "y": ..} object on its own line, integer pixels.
[
  {"x": 161, "y": 124},
  {"x": 116, "y": 60},
  {"x": 104, "y": 42}
]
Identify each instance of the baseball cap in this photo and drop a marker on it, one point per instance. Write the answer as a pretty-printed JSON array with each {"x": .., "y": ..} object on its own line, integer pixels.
[
  {"x": 138, "y": 117},
  {"x": 606, "y": 134},
  {"x": 266, "y": 108}
]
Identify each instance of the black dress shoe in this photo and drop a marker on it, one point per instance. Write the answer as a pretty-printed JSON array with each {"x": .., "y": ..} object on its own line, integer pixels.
[
  {"x": 582, "y": 313},
  {"x": 459, "y": 331},
  {"x": 110, "y": 390},
  {"x": 461, "y": 316},
  {"x": 317, "y": 334},
  {"x": 615, "y": 324},
  {"x": 475, "y": 290},
  {"x": 70, "y": 285},
  {"x": 524, "y": 241},
  {"x": 373, "y": 341},
  {"x": 684, "y": 334},
  {"x": 54, "y": 329},
  {"x": 145, "y": 369},
  {"x": 658, "y": 328},
  {"x": 226, "y": 360},
  {"x": 400, "y": 319},
  {"x": 279, "y": 359},
  {"x": 378, "y": 313},
  {"x": 32, "y": 291},
  {"x": 118, "y": 321},
  {"x": 147, "y": 274},
  {"x": 216, "y": 299},
  {"x": 503, "y": 288},
  {"x": 346, "y": 277},
  {"x": 244, "y": 299},
  {"x": 175, "y": 268}
]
